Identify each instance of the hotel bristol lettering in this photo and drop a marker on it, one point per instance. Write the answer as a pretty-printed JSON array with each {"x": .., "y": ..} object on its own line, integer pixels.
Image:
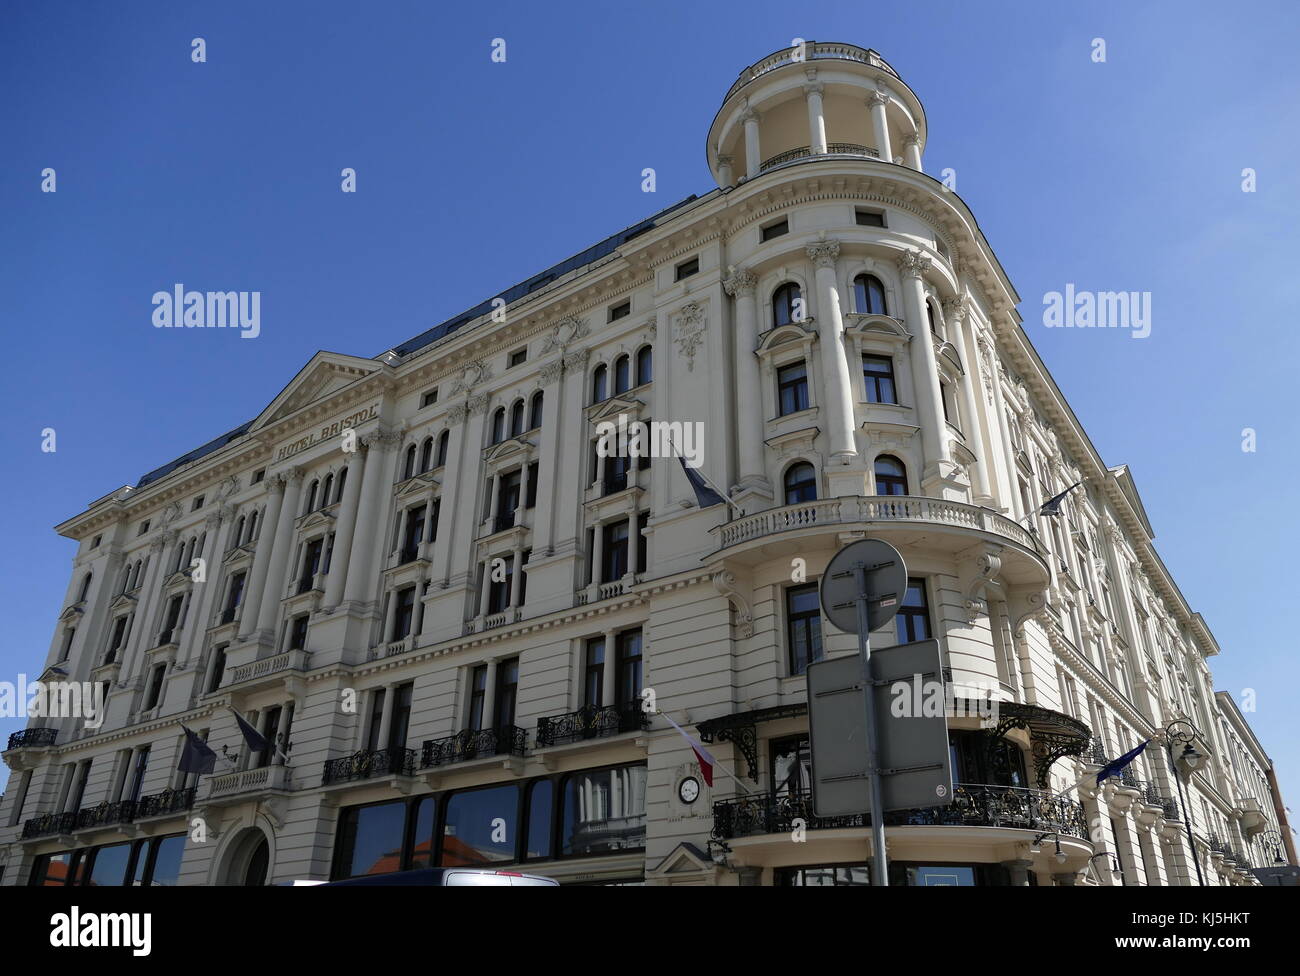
[{"x": 328, "y": 431}]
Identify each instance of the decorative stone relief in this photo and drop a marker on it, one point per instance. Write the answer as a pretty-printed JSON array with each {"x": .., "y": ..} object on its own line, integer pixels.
[
  {"x": 725, "y": 583},
  {"x": 690, "y": 332}
]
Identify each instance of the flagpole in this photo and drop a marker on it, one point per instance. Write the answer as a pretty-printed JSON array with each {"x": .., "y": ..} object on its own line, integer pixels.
[
  {"x": 271, "y": 741},
  {"x": 716, "y": 761},
  {"x": 725, "y": 496}
]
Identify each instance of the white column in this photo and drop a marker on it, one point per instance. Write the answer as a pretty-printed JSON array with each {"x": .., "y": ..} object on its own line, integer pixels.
[
  {"x": 633, "y": 540},
  {"x": 816, "y": 120},
  {"x": 261, "y": 559},
  {"x": 386, "y": 720},
  {"x": 486, "y": 590},
  {"x": 880, "y": 125},
  {"x": 495, "y": 496},
  {"x": 343, "y": 535},
  {"x": 724, "y": 170},
  {"x": 925, "y": 369},
  {"x": 955, "y": 310},
  {"x": 740, "y": 285},
  {"x": 358, "y": 584},
  {"x": 835, "y": 364},
  {"x": 516, "y": 574},
  {"x": 752, "y": 160},
  {"x": 521, "y": 503},
  {"x": 912, "y": 151},
  {"x": 597, "y": 552},
  {"x": 490, "y": 696},
  {"x": 273, "y": 590},
  {"x": 1012, "y": 487}
]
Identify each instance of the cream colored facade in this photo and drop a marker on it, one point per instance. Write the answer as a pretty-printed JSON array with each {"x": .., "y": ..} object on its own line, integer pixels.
[{"x": 1072, "y": 622}]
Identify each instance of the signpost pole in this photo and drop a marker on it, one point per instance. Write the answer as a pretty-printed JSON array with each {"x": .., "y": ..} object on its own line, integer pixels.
[{"x": 880, "y": 866}]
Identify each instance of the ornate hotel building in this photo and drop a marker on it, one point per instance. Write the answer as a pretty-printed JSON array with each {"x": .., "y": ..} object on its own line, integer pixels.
[{"x": 417, "y": 577}]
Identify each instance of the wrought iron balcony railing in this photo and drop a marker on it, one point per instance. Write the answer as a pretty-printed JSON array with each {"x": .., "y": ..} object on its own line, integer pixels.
[
  {"x": 506, "y": 740},
  {"x": 106, "y": 814},
  {"x": 590, "y": 722},
  {"x": 370, "y": 762},
  {"x": 32, "y": 738},
  {"x": 50, "y": 823},
  {"x": 160, "y": 804},
  {"x": 972, "y": 806}
]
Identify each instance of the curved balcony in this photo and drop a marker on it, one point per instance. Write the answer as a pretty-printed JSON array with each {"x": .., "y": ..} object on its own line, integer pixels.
[
  {"x": 902, "y": 520},
  {"x": 34, "y": 738},
  {"x": 805, "y": 152},
  {"x": 972, "y": 806},
  {"x": 814, "y": 51}
]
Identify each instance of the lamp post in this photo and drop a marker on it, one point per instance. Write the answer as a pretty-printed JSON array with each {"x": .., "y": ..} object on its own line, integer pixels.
[
  {"x": 1272, "y": 839},
  {"x": 1186, "y": 733}
]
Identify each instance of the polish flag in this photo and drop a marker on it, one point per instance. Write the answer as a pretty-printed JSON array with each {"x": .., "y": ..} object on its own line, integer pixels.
[{"x": 701, "y": 754}]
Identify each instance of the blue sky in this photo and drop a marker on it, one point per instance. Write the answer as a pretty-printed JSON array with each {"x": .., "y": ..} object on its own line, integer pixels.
[{"x": 225, "y": 175}]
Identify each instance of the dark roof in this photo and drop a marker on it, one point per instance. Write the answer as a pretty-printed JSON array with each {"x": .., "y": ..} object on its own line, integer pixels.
[
  {"x": 512, "y": 294},
  {"x": 516, "y": 292}
]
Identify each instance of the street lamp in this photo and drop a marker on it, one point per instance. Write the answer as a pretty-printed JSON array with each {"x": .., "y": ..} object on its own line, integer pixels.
[{"x": 1186, "y": 733}]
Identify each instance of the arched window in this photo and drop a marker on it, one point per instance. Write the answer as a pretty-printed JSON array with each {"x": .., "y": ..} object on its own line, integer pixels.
[
  {"x": 239, "y": 531},
  {"x": 426, "y": 454},
  {"x": 535, "y": 411},
  {"x": 325, "y": 490},
  {"x": 408, "y": 469},
  {"x": 85, "y": 587},
  {"x": 800, "y": 483},
  {"x": 311, "y": 496},
  {"x": 644, "y": 368},
  {"x": 891, "y": 476},
  {"x": 517, "y": 418},
  {"x": 443, "y": 440},
  {"x": 622, "y": 374},
  {"x": 338, "y": 491},
  {"x": 869, "y": 295},
  {"x": 598, "y": 384},
  {"x": 252, "y": 525},
  {"x": 787, "y": 304},
  {"x": 499, "y": 425}
]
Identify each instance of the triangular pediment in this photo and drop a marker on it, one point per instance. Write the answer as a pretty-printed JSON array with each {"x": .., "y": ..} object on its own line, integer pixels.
[
  {"x": 75, "y": 610},
  {"x": 315, "y": 520},
  {"x": 508, "y": 449},
  {"x": 124, "y": 601},
  {"x": 324, "y": 375},
  {"x": 417, "y": 484},
  {"x": 615, "y": 405},
  {"x": 685, "y": 858}
]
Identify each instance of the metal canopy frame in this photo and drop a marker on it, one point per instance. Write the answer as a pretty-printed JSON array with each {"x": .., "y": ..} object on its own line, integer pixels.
[
  {"x": 741, "y": 729},
  {"x": 1053, "y": 735}
]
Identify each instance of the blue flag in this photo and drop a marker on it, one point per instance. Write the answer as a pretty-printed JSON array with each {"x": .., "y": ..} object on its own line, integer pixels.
[
  {"x": 196, "y": 755},
  {"x": 705, "y": 495},
  {"x": 256, "y": 743},
  {"x": 1053, "y": 505},
  {"x": 1117, "y": 766}
]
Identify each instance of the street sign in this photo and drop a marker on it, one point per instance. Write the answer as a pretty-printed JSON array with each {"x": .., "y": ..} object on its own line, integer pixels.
[
  {"x": 911, "y": 747},
  {"x": 886, "y": 585}
]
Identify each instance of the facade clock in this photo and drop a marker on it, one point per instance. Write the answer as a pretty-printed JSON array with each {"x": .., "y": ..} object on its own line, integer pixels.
[{"x": 688, "y": 790}]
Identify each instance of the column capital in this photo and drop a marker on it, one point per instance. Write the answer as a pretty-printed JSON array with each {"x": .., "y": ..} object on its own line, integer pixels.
[
  {"x": 878, "y": 98},
  {"x": 911, "y": 139},
  {"x": 823, "y": 254},
  {"x": 913, "y": 264},
  {"x": 381, "y": 439},
  {"x": 724, "y": 159},
  {"x": 956, "y": 309},
  {"x": 740, "y": 281},
  {"x": 216, "y": 518},
  {"x": 815, "y": 88},
  {"x": 552, "y": 371},
  {"x": 576, "y": 359},
  {"x": 749, "y": 115},
  {"x": 289, "y": 476}
]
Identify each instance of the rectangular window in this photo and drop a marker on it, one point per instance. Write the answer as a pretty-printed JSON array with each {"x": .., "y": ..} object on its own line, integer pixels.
[
  {"x": 298, "y": 632},
  {"x": 404, "y": 614},
  {"x": 115, "y": 642},
  {"x": 376, "y": 717},
  {"x": 196, "y": 504},
  {"x": 397, "y": 732},
  {"x": 79, "y": 790},
  {"x": 94, "y": 543},
  {"x": 776, "y": 229},
  {"x": 878, "y": 371},
  {"x": 507, "y": 693},
  {"x": 477, "y": 696},
  {"x": 137, "y": 774},
  {"x": 791, "y": 770},
  {"x": 155, "y": 686},
  {"x": 686, "y": 269},
  {"x": 530, "y": 500},
  {"x": 218, "y": 670},
  {"x": 144, "y": 527},
  {"x": 499, "y": 589},
  {"x": 642, "y": 520},
  {"x": 803, "y": 626},
  {"x": 870, "y": 218},
  {"x": 792, "y": 388},
  {"x": 517, "y": 358},
  {"x": 429, "y": 398},
  {"x": 259, "y": 475},
  {"x": 913, "y": 619},
  {"x": 620, "y": 311},
  {"x": 627, "y": 679},
  {"x": 615, "y": 551},
  {"x": 593, "y": 673},
  {"x": 604, "y": 811}
]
